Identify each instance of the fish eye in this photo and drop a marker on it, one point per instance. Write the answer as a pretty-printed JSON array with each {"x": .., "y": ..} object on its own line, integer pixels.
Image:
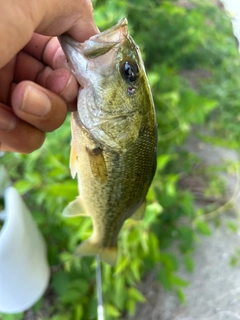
[{"x": 129, "y": 71}]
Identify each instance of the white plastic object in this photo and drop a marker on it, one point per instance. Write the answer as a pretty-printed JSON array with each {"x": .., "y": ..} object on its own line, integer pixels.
[{"x": 24, "y": 270}]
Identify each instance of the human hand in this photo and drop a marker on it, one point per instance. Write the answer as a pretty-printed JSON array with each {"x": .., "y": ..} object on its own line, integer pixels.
[{"x": 36, "y": 88}]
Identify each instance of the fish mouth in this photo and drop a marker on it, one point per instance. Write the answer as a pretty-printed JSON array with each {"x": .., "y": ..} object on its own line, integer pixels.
[
  {"x": 113, "y": 34},
  {"x": 96, "y": 45},
  {"x": 108, "y": 35},
  {"x": 99, "y": 50},
  {"x": 65, "y": 39}
]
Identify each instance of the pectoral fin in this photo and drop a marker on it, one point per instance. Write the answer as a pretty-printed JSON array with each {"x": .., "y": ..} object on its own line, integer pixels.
[
  {"x": 73, "y": 160},
  {"x": 139, "y": 213},
  {"x": 75, "y": 208},
  {"x": 98, "y": 164},
  {"x": 87, "y": 248}
]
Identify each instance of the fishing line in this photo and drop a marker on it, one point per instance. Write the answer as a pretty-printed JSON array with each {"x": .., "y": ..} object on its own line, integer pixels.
[{"x": 100, "y": 308}]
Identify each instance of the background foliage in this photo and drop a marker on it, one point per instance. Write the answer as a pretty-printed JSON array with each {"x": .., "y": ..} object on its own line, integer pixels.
[{"x": 193, "y": 66}]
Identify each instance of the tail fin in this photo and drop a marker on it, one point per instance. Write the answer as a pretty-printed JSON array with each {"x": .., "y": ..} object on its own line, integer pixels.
[{"x": 108, "y": 255}]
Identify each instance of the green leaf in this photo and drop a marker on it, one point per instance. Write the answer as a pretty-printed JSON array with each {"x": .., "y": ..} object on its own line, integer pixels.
[
  {"x": 169, "y": 260},
  {"x": 153, "y": 247},
  {"x": 60, "y": 281},
  {"x": 133, "y": 236},
  {"x": 119, "y": 298},
  {"x": 165, "y": 278},
  {"x": 234, "y": 261},
  {"x": 80, "y": 285},
  {"x": 23, "y": 186},
  {"x": 187, "y": 238},
  {"x": 71, "y": 296},
  {"x": 59, "y": 190},
  {"x": 189, "y": 263},
  {"x": 17, "y": 316},
  {"x": 181, "y": 295},
  {"x": 152, "y": 212},
  {"x": 153, "y": 78},
  {"x": 60, "y": 317},
  {"x": 136, "y": 294},
  {"x": 122, "y": 265},
  {"x": 177, "y": 281},
  {"x": 203, "y": 227},
  {"x": 131, "y": 307},
  {"x": 34, "y": 178},
  {"x": 112, "y": 310},
  {"x": 78, "y": 312},
  {"x": 135, "y": 267},
  {"x": 233, "y": 227},
  {"x": 162, "y": 161}
]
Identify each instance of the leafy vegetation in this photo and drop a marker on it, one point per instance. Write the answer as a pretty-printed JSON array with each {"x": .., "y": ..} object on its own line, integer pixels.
[{"x": 193, "y": 68}]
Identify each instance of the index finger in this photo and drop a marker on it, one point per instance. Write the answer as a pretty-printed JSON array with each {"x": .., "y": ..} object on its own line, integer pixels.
[
  {"x": 47, "y": 50},
  {"x": 45, "y": 17}
]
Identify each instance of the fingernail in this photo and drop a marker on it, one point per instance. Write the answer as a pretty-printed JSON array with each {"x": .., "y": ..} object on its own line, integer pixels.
[
  {"x": 35, "y": 102},
  {"x": 7, "y": 120},
  {"x": 70, "y": 90}
]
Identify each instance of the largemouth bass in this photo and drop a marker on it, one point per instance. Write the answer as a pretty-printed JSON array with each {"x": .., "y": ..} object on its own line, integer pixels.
[{"x": 114, "y": 135}]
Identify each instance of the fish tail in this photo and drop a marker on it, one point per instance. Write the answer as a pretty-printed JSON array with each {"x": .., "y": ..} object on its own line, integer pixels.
[
  {"x": 87, "y": 248},
  {"x": 109, "y": 255}
]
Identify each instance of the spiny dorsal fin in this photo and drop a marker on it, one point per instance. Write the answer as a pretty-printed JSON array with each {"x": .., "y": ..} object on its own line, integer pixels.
[
  {"x": 75, "y": 208},
  {"x": 73, "y": 160},
  {"x": 139, "y": 213},
  {"x": 87, "y": 248}
]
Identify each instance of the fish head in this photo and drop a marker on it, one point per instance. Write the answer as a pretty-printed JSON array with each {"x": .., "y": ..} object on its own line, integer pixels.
[{"x": 114, "y": 92}]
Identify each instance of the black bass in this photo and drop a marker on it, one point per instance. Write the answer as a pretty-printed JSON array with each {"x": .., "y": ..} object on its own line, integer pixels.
[{"x": 114, "y": 135}]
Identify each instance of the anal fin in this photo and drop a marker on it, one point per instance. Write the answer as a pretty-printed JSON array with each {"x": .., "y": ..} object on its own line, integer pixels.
[{"x": 87, "y": 248}]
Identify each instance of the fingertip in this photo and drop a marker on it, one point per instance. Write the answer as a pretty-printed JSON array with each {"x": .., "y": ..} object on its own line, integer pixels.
[
  {"x": 29, "y": 100},
  {"x": 70, "y": 91},
  {"x": 17, "y": 135},
  {"x": 53, "y": 54},
  {"x": 85, "y": 32},
  {"x": 38, "y": 106},
  {"x": 62, "y": 82},
  {"x": 23, "y": 139},
  {"x": 84, "y": 26},
  {"x": 8, "y": 120}
]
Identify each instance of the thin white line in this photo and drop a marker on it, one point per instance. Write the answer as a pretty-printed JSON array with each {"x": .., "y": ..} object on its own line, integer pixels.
[{"x": 100, "y": 308}]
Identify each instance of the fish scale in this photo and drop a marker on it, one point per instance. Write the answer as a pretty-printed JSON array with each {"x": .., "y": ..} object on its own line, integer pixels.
[{"x": 114, "y": 136}]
